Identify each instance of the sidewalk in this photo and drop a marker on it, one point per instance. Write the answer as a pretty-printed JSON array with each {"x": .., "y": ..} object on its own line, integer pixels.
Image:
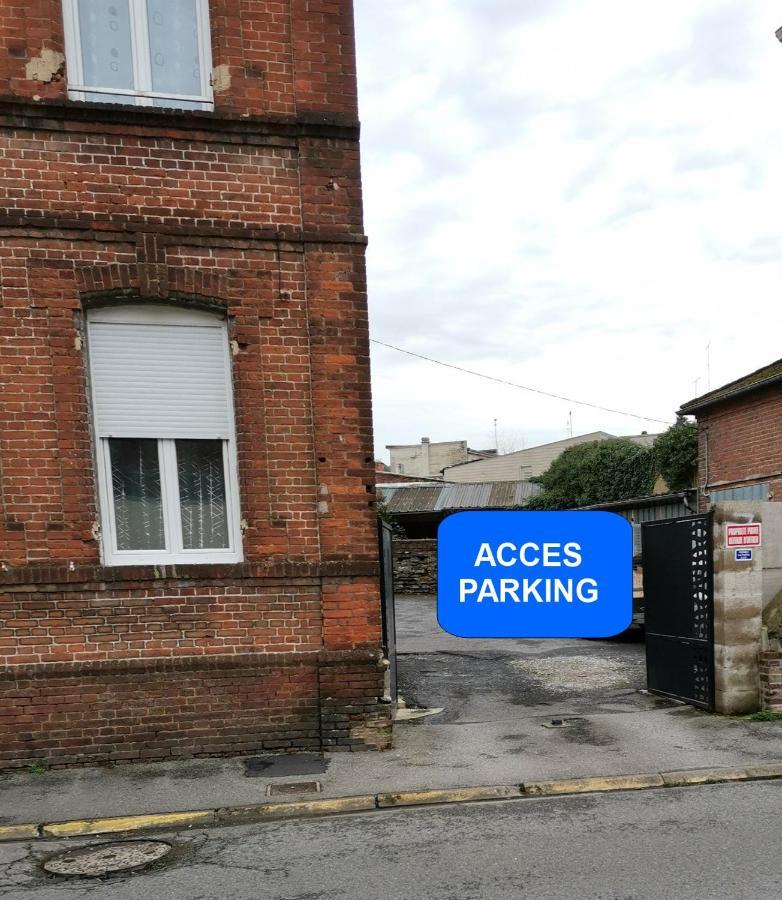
[
  {"x": 491, "y": 732},
  {"x": 425, "y": 757}
]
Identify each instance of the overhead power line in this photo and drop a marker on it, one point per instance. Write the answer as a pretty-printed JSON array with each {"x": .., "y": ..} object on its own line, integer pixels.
[{"x": 521, "y": 387}]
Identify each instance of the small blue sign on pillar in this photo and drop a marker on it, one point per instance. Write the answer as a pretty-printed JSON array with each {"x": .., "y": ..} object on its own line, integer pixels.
[
  {"x": 743, "y": 556},
  {"x": 535, "y": 574}
]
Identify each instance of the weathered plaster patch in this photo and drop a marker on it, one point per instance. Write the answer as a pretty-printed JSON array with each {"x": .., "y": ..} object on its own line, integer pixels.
[
  {"x": 374, "y": 731},
  {"x": 772, "y": 615},
  {"x": 48, "y": 66},
  {"x": 221, "y": 79}
]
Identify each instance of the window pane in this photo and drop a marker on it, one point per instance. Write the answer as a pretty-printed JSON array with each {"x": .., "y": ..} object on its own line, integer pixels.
[
  {"x": 202, "y": 494},
  {"x": 138, "y": 504},
  {"x": 173, "y": 48},
  {"x": 107, "y": 58}
]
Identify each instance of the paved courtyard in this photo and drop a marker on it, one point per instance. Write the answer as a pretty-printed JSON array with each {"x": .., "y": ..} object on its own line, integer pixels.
[
  {"x": 496, "y": 680},
  {"x": 499, "y": 696}
]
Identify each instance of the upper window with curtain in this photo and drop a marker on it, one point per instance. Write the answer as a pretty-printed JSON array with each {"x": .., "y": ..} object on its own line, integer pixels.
[{"x": 140, "y": 52}]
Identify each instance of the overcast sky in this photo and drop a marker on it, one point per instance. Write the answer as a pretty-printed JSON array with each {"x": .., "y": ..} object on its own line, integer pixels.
[{"x": 576, "y": 195}]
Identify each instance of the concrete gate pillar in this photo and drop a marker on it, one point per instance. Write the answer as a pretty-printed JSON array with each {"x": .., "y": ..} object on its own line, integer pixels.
[{"x": 738, "y": 612}]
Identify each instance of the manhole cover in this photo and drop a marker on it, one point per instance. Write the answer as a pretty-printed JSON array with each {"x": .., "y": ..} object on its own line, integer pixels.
[
  {"x": 105, "y": 859},
  {"x": 293, "y": 787}
]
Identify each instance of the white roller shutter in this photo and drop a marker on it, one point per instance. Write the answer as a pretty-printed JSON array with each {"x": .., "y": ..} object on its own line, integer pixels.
[{"x": 160, "y": 380}]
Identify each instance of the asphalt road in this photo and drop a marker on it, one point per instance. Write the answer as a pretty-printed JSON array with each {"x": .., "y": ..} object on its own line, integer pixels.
[{"x": 719, "y": 841}]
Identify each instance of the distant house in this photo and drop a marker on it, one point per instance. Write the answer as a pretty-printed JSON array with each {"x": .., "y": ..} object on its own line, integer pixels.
[
  {"x": 530, "y": 463},
  {"x": 740, "y": 438},
  {"x": 428, "y": 459}
]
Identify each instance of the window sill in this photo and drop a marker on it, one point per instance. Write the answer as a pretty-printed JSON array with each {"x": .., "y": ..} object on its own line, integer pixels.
[
  {"x": 171, "y": 561},
  {"x": 207, "y": 106}
]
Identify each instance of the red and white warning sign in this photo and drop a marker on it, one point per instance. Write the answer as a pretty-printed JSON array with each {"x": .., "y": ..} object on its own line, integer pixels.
[{"x": 743, "y": 535}]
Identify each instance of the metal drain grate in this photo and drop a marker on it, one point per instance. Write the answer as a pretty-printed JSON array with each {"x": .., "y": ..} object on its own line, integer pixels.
[
  {"x": 293, "y": 787},
  {"x": 106, "y": 859}
]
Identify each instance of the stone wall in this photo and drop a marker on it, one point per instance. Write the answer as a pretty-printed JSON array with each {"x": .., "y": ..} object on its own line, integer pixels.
[{"x": 415, "y": 566}]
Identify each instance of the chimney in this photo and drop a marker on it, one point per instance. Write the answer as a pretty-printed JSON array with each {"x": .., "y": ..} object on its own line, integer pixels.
[{"x": 425, "y": 453}]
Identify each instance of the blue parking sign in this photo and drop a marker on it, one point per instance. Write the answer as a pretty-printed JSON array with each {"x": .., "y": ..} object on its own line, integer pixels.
[{"x": 535, "y": 574}]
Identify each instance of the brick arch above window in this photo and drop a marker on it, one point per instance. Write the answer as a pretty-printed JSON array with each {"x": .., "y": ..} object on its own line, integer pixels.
[{"x": 178, "y": 284}]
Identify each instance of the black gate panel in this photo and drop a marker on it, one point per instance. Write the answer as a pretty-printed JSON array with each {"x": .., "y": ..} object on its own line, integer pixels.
[
  {"x": 385, "y": 537},
  {"x": 679, "y": 600}
]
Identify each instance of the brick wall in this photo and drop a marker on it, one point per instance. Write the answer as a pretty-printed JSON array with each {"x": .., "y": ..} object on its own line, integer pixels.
[
  {"x": 740, "y": 442},
  {"x": 253, "y": 210}
]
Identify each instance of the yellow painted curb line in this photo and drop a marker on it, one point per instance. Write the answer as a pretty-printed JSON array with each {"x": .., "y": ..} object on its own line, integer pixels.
[
  {"x": 234, "y": 815},
  {"x": 454, "y": 795},
  {"x": 127, "y": 823},
  {"x": 704, "y": 776},
  {"x": 238, "y": 814},
  {"x": 593, "y": 785},
  {"x": 18, "y": 832},
  {"x": 771, "y": 771}
]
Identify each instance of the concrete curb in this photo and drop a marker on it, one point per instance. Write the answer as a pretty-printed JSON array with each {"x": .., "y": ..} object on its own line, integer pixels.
[{"x": 237, "y": 815}]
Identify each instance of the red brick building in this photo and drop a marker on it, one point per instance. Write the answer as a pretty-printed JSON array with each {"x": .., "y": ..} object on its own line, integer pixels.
[
  {"x": 740, "y": 438},
  {"x": 187, "y": 523}
]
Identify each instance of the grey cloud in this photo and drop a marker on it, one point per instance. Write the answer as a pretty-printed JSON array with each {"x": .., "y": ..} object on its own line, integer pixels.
[
  {"x": 761, "y": 250},
  {"x": 508, "y": 13},
  {"x": 586, "y": 178},
  {"x": 633, "y": 201},
  {"x": 704, "y": 159},
  {"x": 720, "y": 48}
]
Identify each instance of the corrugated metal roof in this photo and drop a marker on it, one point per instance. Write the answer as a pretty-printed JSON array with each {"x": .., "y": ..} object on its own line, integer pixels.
[{"x": 409, "y": 499}]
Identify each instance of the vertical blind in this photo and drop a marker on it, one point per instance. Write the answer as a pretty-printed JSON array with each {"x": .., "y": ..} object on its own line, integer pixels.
[{"x": 160, "y": 381}]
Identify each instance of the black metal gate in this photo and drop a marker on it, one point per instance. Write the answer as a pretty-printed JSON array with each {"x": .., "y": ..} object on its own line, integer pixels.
[
  {"x": 679, "y": 601},
  {"x": 387, "y": 596}
]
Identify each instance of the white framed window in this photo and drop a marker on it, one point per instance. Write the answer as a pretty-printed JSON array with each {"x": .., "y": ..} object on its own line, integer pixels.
[
  {"x": 140, "y": 52},
  {"x": 165, "y": 442}
]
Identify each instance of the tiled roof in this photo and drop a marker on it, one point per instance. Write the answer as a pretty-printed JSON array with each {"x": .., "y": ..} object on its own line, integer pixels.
[{"x": 769, "y": 374}]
